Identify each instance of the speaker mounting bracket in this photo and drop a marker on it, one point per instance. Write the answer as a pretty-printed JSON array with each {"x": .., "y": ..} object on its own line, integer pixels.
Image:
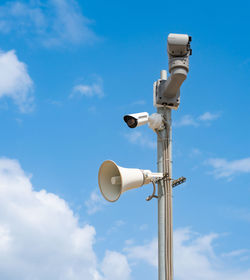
[{"x": 153, "y": 194}]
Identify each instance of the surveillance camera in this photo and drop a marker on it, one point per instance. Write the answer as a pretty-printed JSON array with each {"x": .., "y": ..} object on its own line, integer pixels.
[
  {"x": 134, "y": 120},
  {"x": 154, "y": 121},
  {"x": 178, "y": 52},
  {"x": 178, "y": 44},
  {"x": 167, "y": 91}
]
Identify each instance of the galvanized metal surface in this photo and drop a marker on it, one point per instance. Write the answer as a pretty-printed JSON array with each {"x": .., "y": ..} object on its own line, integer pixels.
[{"x": 165, "y": 216}]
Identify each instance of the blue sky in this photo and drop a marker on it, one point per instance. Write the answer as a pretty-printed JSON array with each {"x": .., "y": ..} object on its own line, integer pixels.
[{"x": 69, "y": 71}]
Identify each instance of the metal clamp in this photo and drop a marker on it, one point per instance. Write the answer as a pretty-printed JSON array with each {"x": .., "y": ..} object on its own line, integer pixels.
[
  {"x": 154, "y": 186},
  {"x": 175, "y": 183}
]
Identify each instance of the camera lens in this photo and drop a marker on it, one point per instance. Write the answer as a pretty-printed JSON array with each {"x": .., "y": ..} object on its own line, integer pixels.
[{"x": 131, "y": 122}]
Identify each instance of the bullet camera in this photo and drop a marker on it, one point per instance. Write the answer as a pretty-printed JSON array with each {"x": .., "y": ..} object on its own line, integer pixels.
[
  {"x": 167, "y": 91},
  {"x": 134, "y": 120},
  {"x": 154, "y": 121}
]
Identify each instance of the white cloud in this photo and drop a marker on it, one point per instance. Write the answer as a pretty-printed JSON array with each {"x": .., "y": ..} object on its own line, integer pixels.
[
  {"x": 137, "y": 137},
  {"x": 115, "y": 266},
  {"x": 194, "y": 257},
  {"x": 188, "y": 120},
  {"x": 208, "y": 116},
  {"x": 195, "y": 152},
  {"x": 226, "y": 168},
  {"x": 147, "y": 252},
  {"x": 94, "y": 89},
  {"x": 15, "y": 81},
  {"x": 54, "y": 22},
  {"x": 95, "y": 203},
  {"x": 236, "y": 253},
  {"x": 129, "y": 242},
  {"x": 41, "y": 238}
]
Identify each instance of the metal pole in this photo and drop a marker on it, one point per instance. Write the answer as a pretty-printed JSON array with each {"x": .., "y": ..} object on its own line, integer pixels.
[{"x": 165, "y": 219}]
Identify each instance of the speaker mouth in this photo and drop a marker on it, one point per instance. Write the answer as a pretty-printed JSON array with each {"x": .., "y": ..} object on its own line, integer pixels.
[{"x": 111, "y": 192}]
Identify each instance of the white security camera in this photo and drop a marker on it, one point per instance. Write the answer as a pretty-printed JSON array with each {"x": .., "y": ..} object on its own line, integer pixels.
[
  {"x": 155, "y": 121},
  {"x": 167, "y": 91},
  {"x": 178, "y": 44},
  {"x": 135, "y": 120}
]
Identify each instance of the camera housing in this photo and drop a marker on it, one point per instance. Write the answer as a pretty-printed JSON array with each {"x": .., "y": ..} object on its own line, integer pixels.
[
  {"x": 167, "y": 91},
  {"x": 178, "y": 44},
  {"x": 135, "y": 120},
  {"x": 154, "y": 121}
]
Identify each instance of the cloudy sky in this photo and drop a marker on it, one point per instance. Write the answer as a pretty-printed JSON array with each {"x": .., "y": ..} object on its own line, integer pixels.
[{"x": 69, "y": 71}]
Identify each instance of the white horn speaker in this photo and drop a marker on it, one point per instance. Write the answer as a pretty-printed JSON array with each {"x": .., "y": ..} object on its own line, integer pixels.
[{"x": 114, "y": 180}]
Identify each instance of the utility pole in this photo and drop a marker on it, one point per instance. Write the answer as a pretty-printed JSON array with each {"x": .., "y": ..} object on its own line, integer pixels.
[
  {"x": 165, "y": 216},
  {"x": 166, "y": 98},
  {"x": 114, "y": 180}
]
